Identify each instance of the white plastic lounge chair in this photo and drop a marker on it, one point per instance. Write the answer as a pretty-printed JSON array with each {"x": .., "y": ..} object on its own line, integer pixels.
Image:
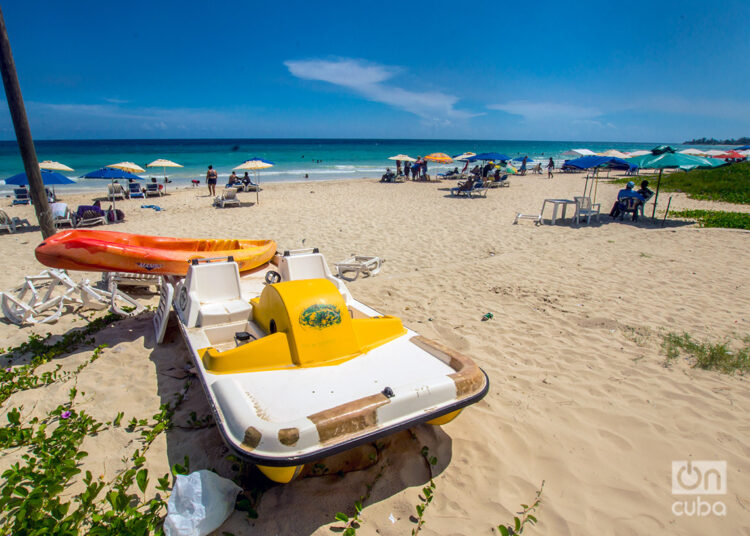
[
  {"x": 12, "y": 224},
  {"x": 161, "y": 316},
  {"x": 115, "y": 191},
  {"x": 227, "y": 198},
  {"x": 61, "y": 215},
  {"x": 536, "y": 217},
  {"x": 89, "y": 218},
  {"x": 479, "y": 190},
  {"x": 584, "y": 209},
  {"x": 358, "y": 264}
]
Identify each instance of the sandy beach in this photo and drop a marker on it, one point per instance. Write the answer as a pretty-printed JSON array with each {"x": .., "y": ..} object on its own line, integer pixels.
[{"x": 580, "y": 396}]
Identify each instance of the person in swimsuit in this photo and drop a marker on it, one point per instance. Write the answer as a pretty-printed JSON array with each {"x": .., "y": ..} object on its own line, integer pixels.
[
  {"x": 211, "y": 178},
  {"x": 550, "y": 168}
]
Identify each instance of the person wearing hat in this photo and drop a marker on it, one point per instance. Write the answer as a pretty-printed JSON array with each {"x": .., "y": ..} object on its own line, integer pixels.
[{"x": 622, "y": 195}]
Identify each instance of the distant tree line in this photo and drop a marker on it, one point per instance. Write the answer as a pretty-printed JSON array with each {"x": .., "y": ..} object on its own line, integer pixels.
[{"x": 711, "y": 141}]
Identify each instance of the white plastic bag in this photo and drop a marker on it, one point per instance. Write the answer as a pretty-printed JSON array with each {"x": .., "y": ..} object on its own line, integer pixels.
[{"x": 199, "y": 504}]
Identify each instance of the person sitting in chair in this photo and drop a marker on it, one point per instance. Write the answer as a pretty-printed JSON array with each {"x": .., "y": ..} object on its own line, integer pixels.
[
  {"x": 645, "y": 191},
  {"x": 388, "y": 176},
  {"x": 466, "y": 186},
  {"x": 624, "y": 194}
]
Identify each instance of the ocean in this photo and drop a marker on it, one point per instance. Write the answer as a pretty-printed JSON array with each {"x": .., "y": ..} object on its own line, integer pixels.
[{"x": 294, "y": 159}]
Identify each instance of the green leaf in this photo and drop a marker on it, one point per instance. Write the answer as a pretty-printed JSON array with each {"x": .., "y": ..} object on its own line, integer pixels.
[
  {"x": 420, "y": 510},
  {"x": 531, "y": 519},
  {"x": 350, "y": 532},
  {"x": 517, "y": 523},
  {"x": 142, "y": 480},
  {"x": 358, "y": 506},
  {"x": 503, "y": 530},
  {"x": 341, "y": 516}
]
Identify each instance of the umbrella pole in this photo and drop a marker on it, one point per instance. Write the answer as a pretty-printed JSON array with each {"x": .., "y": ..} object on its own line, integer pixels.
[
  {"x": 586, "y": 186},
  {"x": 656, "y": 195},
  {"x": 596, "y": 184},
  {"x": 257, "y": 188}
]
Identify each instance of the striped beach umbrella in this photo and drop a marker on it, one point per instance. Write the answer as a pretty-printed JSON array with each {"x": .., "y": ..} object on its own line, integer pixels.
[
  {"x": 130, "y": 167},
  {"x": 54, "y": 166},
  {"x": 255, "y": 165},
  {"x": 440, "y": 158}
]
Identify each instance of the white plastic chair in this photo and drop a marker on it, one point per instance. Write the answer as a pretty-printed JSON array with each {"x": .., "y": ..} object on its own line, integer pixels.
[
  {"x": 12, "y": 224},
  {"x": 585, "y": 209},
  {"x": 358, "y": 264}
]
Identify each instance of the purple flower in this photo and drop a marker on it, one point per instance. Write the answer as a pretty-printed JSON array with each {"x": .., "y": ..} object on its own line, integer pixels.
[
  {"x": 8, "y": 369},
  {"x": 65, "y": 415}
]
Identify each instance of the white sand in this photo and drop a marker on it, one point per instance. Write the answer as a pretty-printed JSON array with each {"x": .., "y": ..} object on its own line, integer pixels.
[{"x": 579, "y": 395}]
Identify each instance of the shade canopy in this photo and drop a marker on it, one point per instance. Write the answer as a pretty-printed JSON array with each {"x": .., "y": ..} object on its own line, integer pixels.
[
  {"x": 440, "y": 158},
  {"x": 162, "y": 163},
  {"x": 714, "y": 152},
  {"x": 731, "y": 154},
  {"x": 110, "y": 173},
  {"x": 463, "y": 156},
  {"x": 54, "y": 166},
  {"x": 402, "y": 158},
  {"x": 743, "y": 148},
  {"x": 579, "y": 152},
  {"x": 48, "y": 177},
  {"x": 128, "y": 166},
  {"x": 638, "y": 153},
  {"x": 489, "y": 156},
  {"x": 520, "y": 159},
  {"x": 255, "y": 164},
  {"x": 595, "y": 161},
  {"x": 675, "y": 161}
]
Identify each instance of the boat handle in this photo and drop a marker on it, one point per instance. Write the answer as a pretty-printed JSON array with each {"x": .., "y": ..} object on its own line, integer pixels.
[{"x": 197, "y": 261}]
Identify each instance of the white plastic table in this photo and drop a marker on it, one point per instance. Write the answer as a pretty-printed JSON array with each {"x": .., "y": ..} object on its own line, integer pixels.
[{"x": 555, "y": 205}]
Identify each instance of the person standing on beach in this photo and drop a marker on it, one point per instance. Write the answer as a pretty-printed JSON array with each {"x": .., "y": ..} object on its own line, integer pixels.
[
  {"x": 398, "y": 167},
  {"x": 550, "y": 167},
  {"x": 211, "y": 178},
  {"x": 523, "y": 165}
]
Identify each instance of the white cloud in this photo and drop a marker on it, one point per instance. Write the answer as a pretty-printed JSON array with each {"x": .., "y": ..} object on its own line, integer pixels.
[
  {"x": 370, "y": 80},
  {"x": 553, "y": 111}
]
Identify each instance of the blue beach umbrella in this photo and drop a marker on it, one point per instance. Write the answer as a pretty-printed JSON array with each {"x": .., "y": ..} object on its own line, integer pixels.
[
  {"x": 743, "y": 148},
  {"x": 111, "y": 174},
  {"x": 48, "y": 178},
  {"x": 489, "y": 156}
]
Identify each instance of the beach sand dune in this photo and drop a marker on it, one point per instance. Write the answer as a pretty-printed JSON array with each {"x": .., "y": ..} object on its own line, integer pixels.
[{"x": 580, "y": 395}]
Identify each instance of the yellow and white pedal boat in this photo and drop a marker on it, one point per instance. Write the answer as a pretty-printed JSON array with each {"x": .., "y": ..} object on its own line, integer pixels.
[{"x": 295, "y": 369}]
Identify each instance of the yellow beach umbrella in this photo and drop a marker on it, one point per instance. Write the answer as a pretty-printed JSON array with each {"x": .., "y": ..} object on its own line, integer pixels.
[
  {"x": 54, "y": 166},
  {"x": 256, "y": 164},
  {"x": 440, "y": 158},
  {"x": 402, "y": 158},
  {"x": 164, "y": 164},
  {"x": 130, "y": 167}
]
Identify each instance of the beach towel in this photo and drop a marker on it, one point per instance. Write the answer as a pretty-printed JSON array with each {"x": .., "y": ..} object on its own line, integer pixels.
[{"x": 155, "y": 207}]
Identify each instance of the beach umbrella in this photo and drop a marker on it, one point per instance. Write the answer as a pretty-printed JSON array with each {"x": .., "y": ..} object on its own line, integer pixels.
[
  {"x": 731, "y": 154},
  {"x": 54, "y": 166},
  {"x": 615, "y": 153},
  {"x": 579, "y": 152},
  {"x": 672, "y": 160},
  {"x": 49, "y": 178},
  {"x": 520, "y": 159},
  {"x": 255, "y": 165},
  {"x": 489, "y": 156},
  {"x": 402, "y": 158},
  {"x": 694, "y": 152},
  {"x": 714, "y": 152},
  {"x": 440, "y": 158},
  {"x": 111, "y": 174},
  {"x": 463, "y": 156},
  {"x": 595, "y": 162},
  {"x": 128, "y": 166},
  {"x": 743, "y": 148},
  {"x": 164, "y": 164},
  {"x": 638, "y": 153}
]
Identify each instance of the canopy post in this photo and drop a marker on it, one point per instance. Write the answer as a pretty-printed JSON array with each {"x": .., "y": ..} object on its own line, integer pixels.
[
  {"x": 596, "y": 183},
  {"x": 656, "y": 195},
  {"x": 23, "y": 133}
]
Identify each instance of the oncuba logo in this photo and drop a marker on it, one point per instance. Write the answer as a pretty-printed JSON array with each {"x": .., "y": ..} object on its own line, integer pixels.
[
  {"x": 696, "y": 478},
  {"x": 320, "y": 316}
]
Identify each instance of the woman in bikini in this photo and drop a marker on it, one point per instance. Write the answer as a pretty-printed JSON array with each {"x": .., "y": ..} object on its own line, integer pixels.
[{"x": 211, "y": 178}]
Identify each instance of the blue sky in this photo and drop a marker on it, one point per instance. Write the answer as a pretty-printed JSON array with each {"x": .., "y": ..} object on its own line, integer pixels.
[{"x": 635, "y": 71}]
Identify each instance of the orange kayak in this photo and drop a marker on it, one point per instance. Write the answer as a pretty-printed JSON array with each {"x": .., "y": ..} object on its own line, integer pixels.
[{"x": 109, "y": 251}]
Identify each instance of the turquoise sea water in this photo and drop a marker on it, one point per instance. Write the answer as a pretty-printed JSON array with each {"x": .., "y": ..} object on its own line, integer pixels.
[{"x": 294, "y": 158}]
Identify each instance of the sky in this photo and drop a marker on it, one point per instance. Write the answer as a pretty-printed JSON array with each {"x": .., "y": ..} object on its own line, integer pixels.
[{"x": 585, "y": 71}]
